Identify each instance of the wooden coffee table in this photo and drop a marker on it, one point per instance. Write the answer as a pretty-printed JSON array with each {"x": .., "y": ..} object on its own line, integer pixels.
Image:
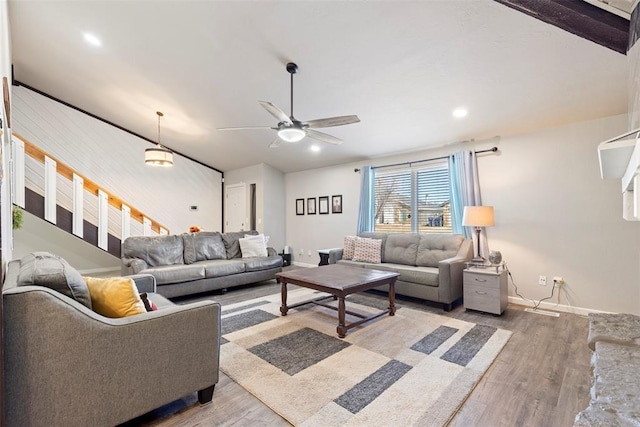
[{"x": 339, "y": 281}]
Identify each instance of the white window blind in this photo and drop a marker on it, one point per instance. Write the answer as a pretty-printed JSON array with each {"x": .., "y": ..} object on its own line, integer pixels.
[{"x": 413, "y": 199}]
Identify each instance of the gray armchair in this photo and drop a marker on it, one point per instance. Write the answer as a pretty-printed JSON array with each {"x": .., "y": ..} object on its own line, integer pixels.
[{"x": 66, "y": 365}]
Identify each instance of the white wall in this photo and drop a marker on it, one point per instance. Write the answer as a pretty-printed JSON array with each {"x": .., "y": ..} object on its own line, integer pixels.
[
  {"x": 114, "y": 159},
  {"x": 554, "y": 215},
  {"x": 269, "y": 199},
  {"x": 40, "y": 235}
]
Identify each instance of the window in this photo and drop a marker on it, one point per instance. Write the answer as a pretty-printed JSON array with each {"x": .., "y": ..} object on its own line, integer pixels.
[{"x": 413, "y": 200}]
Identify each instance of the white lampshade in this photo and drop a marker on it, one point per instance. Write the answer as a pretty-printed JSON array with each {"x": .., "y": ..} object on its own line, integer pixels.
[
  {"x": 158, "y": 156},
  {"x": 478, "y": 216},
  {"x": 291, "y": 134}
]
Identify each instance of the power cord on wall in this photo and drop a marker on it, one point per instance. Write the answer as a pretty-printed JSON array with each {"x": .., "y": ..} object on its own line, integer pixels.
[{"x": 536, "y": 305}]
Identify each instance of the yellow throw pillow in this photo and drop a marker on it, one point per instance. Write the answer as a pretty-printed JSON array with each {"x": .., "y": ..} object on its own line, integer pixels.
[{"x": 114, "y": 296}]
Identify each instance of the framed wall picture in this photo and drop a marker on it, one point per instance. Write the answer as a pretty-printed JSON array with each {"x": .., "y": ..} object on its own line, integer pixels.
[
  {"x": 299, "y": 206},
  {"x": 311, "y": 206},
  {"x": 336, "y": 204},
  {"x": 323, "y": 201}
]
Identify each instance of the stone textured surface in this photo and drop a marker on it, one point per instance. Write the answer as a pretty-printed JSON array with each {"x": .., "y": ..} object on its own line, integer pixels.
[
  {"x": 615, "y": 393},
  {"x": 615, "y": 328}
]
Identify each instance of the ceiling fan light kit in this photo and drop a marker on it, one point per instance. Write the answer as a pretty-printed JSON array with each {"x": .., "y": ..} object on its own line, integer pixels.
[
  {"x": 291, "y": 134},
  {"x": 291, "y": 130},
  {"x": 158, "y": 155}
]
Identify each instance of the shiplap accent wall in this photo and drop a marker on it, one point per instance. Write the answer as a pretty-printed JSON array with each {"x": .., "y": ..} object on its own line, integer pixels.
[{"x": 114, "y": 159}]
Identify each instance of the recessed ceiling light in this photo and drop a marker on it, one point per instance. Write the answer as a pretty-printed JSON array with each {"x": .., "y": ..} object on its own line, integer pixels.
[
  {"x": 459, "y": 112},
  {"x": 92, "y": 40},
  {"x": 315, "y": 148}
]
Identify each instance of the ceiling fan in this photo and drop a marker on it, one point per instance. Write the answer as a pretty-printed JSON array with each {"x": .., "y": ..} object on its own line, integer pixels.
[{"x": 292, "y": 130}]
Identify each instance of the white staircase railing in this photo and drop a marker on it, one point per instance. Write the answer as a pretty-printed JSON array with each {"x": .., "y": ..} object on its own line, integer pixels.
[{"x": 36, "y": 170}]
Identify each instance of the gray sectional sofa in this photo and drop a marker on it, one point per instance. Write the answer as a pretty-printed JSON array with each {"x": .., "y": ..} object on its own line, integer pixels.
[
  {"x": 196, "y": 262},
  {"x": 430, "y": 265},
  {"x": 615, "y": 362}
]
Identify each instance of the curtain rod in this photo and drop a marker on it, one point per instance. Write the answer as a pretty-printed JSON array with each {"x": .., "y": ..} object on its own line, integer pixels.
[{"x": 492, "y": 150}]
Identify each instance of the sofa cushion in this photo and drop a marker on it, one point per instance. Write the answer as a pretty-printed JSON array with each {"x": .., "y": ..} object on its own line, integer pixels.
[
  {"x": 231, "y": 243},
  {"x": 401, "y": 248},
  {"x": 114, "y": 296},
  {"x": 155, "y": 250},
  {"x": 379, "y": 236},
  {"x": 434, "y": 248},
  {"x": 51, "y": 271},
  {"x": 262, "y": 263},
  {"x": 427, "y": 276},
  {"x": 219, "y": 268},
  {"x": 253, "y": 246},
  {"x": 168, "y": 274},
  {"x": 202, "y": 246},
  {"x": 349, "y": 247},
  {"x": 367, "y": 250}
]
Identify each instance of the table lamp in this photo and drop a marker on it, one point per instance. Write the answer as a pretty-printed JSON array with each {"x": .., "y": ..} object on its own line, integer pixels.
[{"x": 478, "y": 216}]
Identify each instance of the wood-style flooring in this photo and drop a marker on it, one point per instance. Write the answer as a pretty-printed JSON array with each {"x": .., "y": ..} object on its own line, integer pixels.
[{"x": 541, "y": 377}]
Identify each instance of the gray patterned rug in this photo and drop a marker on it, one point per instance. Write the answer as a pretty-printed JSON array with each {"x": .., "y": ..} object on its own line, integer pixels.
[{"x": 414, "y": 368}]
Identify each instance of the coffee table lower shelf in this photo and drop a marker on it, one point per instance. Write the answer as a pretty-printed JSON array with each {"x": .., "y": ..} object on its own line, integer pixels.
[{"x": 339, "y": 281}]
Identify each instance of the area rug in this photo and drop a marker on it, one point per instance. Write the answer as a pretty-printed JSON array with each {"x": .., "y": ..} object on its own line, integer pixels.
[{"x": 414, "y": 368}]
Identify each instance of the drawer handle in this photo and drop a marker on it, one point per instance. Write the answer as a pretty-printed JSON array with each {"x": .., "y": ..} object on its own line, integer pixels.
[
  {"x": 479, "y": 280},
  {"x": 481, "y": 293}
]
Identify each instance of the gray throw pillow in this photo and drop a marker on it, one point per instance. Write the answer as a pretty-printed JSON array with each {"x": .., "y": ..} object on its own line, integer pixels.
[{"x": 51, "y": 271}]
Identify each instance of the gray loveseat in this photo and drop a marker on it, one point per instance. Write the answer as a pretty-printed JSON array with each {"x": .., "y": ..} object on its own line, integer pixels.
[
  {"x": 430, "y": 265},
  {"x": 66, "y": 365},
  {"x": 197, "y": 262},
  {"x": 615, "y": 362}
]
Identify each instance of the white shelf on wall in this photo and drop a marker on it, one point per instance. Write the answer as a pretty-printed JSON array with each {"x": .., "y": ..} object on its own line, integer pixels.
[{"x": 620, "y": 159}]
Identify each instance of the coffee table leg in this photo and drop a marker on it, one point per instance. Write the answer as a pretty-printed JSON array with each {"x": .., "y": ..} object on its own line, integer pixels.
[
  {"x": 342, "y": 328},
  {"x": 392, "y": 298},
  {"x": 283, "y": 293}
]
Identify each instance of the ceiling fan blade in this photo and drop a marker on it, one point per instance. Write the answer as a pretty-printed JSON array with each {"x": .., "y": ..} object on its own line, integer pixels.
[
  {"x": 248, "y": 127},
  {"x": 275, "y": 112},
  {"x": 332, "y": 121},
  {"x": 323, "y": 137},
  {"x": 275, "y": 143}
]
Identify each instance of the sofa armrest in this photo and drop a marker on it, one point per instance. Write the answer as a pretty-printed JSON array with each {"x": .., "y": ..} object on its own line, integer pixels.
[
  {"x": 54, "y": 344},
  {"x": 450, "y": 278},
  {"x": 144, "y": 282},
  {"x": 271, "y": 252},
  {"x": 131, "y": 266},
  {"x": 335, "y": 255}
]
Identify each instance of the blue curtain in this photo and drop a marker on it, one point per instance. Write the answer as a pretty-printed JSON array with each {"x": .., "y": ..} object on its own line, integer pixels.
[
  {"x": 465, "y": 191},
  {"x": 365, "y": 213}
]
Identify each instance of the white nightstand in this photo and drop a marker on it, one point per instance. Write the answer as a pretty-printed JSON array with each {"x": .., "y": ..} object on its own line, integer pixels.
[{"x": 485, "y": 289}]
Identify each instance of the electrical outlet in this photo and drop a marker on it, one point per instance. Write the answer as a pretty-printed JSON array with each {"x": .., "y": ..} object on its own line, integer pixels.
[
  {"x": 309, "y": 253},
  {"x": 542, "y": 281},
  {"x": 558, "y": 281},
  {"x": 301, "y": 251}
]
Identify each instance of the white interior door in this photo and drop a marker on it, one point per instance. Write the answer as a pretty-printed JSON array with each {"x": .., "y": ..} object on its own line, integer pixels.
[{"x": 236, "y": 209}]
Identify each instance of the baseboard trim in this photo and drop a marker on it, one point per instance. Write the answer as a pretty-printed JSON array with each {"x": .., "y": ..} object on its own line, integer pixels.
[{"x": 581, "y": 311}]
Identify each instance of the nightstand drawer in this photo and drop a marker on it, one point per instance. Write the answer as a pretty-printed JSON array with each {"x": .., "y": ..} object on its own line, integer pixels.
[
  {"x": 485, "y": 290},
  {"x": 484, "y": 280}
]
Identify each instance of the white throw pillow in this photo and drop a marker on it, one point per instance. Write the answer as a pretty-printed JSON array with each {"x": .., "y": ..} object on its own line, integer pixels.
[
  {"x": 253, "y": 246},
  {"x": 266, "y": 238}
]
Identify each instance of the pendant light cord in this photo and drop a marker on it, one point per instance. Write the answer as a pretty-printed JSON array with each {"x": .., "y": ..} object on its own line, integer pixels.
[{"x": 159, "y": 115}]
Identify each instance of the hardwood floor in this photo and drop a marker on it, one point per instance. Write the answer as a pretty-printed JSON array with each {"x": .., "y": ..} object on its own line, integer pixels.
[{"x": 541, "y": 377}]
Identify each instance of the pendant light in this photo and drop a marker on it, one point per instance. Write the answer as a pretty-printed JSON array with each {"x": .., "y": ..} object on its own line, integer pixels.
[{"x": 159, "y": 155}]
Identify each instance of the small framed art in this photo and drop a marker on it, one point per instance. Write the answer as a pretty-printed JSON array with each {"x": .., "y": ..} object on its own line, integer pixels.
[
  {"x": 299, "y": 206},
  {"x": 336, "y": 204},
  {"x": 323, "y": 207},
  {"x": 311, "y": 206}
]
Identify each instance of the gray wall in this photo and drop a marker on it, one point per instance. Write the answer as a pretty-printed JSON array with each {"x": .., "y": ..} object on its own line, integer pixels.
[{"x": 554, "y": 215}]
